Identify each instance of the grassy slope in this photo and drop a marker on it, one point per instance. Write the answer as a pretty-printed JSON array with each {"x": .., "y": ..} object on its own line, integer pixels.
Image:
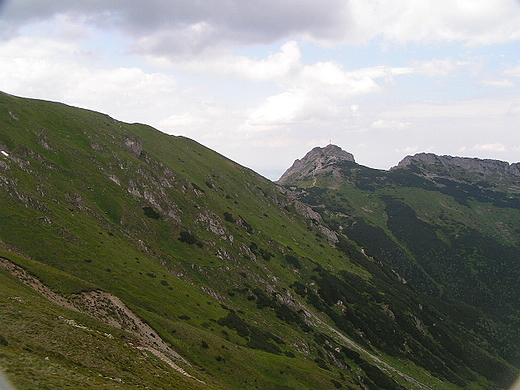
[
  {"x": 459, "y": 246},
  {"x": 89, "y": 202},
  {"x": 41, "y": 350}
]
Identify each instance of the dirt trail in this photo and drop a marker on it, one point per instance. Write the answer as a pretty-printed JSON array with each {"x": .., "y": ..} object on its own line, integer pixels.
[
  {"x": 107, "y": 308},
  {"x": 36, "y": 284}
]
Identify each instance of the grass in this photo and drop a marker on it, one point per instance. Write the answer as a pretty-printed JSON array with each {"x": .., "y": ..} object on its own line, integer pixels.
[
  {"x": 43, "y": 351},
  {"x": 88, "y": 212}
]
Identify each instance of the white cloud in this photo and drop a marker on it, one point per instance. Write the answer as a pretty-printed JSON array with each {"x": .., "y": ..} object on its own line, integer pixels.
[
  {"x": 390, "y": 125},
  {"x": 316, "y": 92},
  {"x": 39, "y": 48},
  {"x": 286, "y": 67},
  {"x": 203, "y": 120},
  {"x": 181, "y": 65},
  {"x": 279, "y": 109},
  {"x": 513, "y": 71},
  {"x": 437, "y": 67},
  {"x": 180, "y": 28},
  {"x": 495, "y": 147},
  {"x": 275, "y": 67},
  {"x": 483, "y": 108},
  {"x": 46, "y": 69},
  {"x": 407, "y": 150},
  {"x": 276, "y": 142},
  {"x": 477, "y": 22},
  {"x": 332, "y": 77},
  {"x": 318, "y": 142},
  {"x": 175, "y": 124},
  {"x": 498, "y": 83},
  {"x": 327, "y": 73},
  {"x": 382, "y": 71},
  {"x": 286, "y": 108}
]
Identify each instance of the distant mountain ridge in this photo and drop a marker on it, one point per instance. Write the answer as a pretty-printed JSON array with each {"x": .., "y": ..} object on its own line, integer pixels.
[
  {"x": 321, "y": 160},
  {"x": 483, "y": 171},
  {"x": 484, "y": 167}
]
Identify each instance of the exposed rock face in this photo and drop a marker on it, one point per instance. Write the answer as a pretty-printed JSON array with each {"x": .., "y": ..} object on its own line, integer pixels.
[
  {"x": 450, "y": 165},
  {"x": 317, "y": 161},
  {"x": 135, "y": 145}
]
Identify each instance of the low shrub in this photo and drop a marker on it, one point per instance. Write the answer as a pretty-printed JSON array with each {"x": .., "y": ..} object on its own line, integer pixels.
[{"x": 187, "y": 237}]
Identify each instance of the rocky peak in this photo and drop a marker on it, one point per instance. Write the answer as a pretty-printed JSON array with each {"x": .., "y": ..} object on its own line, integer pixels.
[
  {"x": 432, "y": 164},
  {"x": 318, "y": 161}
]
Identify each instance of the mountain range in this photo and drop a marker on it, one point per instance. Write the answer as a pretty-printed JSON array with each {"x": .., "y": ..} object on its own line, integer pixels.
[{"x": 135, "y": 259}]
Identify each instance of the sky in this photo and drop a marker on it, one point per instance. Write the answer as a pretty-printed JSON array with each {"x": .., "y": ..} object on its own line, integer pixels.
[{"x": 264, "y": 81}]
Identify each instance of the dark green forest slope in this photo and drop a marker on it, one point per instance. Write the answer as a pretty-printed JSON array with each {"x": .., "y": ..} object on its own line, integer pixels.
[
  {"x": 134, "y": 259},
  {"x": 449, "y": 226}
]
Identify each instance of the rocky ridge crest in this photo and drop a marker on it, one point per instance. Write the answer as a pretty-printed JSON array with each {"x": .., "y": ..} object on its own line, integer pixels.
[
  {"x": 494, "y": 172},
  {"x": 483, "y": 167},
  {"x": 318, "y": 161}
]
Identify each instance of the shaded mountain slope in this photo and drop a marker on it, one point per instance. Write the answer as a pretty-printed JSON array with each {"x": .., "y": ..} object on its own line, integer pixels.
[
  {"x": 449, "y": 226},
  {"x": 135, "y": 259}
]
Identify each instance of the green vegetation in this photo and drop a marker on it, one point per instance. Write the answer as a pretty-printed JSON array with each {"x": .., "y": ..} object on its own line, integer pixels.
[
  {"x": 454, "y": 239},
  {"x": 219, "y": 263}
]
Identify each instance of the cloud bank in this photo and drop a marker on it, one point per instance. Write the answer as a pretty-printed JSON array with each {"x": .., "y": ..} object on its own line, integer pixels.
[
  {"x": 181, "y": 27},
  {"x": 261, "y": 81}
]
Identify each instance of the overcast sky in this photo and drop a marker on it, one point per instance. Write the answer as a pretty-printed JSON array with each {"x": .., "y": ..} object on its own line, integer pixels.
[{"x": 264, "y": 81}]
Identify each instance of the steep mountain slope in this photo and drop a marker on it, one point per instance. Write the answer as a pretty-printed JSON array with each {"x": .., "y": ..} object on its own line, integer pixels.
[
  {"x": 449, "y": 226},
  {"x": 131, "y": 259}
]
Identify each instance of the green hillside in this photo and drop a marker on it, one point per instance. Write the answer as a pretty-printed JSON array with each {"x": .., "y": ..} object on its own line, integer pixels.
[
  {"x": 451, "y": 233},
  {"x": 135, "y": 259}
]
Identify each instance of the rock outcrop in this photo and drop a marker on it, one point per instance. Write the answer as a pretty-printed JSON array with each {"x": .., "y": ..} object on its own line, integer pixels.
[
  {"x": 497, "y": 174},
  {"x": 317, "y": 161},
  {"x": 483, "y": 167}
]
